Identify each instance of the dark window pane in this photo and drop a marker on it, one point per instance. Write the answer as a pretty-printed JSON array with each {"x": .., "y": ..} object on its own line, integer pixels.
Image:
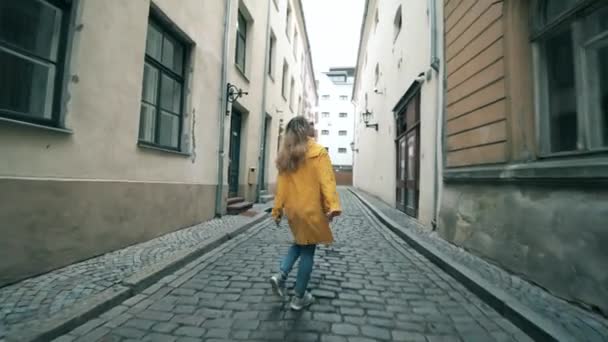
[
  {"x": 604, "y": 92},
  {"x": 173, "y": 55},
  {"x": 150, "y": 87},
  {"x": 562, "y": 92},
  {"x": 171, "y": 92},
  {"x": 154, "y": 41},
  {"x": 169, "y": 129},
  {"x": 31, "y": 25},
  {"x": 242, "y": 25},
  {"x": 26, "y": 85},
  {"x": 147, "y": 123}
]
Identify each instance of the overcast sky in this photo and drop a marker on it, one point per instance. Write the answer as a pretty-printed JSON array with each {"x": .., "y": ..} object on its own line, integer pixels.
[{"x": 333, "y": 30}]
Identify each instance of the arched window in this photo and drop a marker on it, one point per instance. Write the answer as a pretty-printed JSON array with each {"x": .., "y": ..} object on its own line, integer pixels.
[
  {"x": 571, "y": 62},
  {"x": 377, "y": 74}
]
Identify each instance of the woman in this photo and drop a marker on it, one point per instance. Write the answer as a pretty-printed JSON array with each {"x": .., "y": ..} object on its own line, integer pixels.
[{"x": 306, "y": 194}]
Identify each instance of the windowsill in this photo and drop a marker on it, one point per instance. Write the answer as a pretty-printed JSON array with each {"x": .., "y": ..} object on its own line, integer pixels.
[
  {"x": 61, "y": 130},
  {"x": 148, "y": 146},
  {"x": 284, "y": 98},
  {"x": 565, "y": 169},
  {"x": 238, "y": 67}
]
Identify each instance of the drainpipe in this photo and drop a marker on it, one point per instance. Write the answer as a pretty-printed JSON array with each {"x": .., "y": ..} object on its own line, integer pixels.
[
  {"x": 222, "y": 115},
  {"x": 436, "y": 57},
  {"x": 261, "y": 168}
]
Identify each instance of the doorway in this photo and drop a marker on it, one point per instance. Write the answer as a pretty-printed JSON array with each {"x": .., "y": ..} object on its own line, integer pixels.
[
  {"x": 264, "y": 153},
  {"x": 408, "y": 155},
  {"x": 234, "y": 152}
]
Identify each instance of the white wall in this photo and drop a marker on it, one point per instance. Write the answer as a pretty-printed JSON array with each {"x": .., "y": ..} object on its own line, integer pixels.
[
  {"x": 400, "y": 61},
  {"x": 334, "y": 106}
]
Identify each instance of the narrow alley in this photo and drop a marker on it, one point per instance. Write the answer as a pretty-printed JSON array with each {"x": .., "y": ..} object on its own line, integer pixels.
[{"x": 370, "y": 286}]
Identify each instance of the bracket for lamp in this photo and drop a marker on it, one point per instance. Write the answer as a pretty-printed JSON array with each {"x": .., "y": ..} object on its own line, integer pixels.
[{"x": 366, "y": 117}]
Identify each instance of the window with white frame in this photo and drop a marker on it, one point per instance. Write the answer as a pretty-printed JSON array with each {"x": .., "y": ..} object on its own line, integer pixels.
[
  {"x": 342, "y": 133},
  {"x": 32, "y": 51},
  {"x": 397, "y": 22},
  {"x": 292, "y": 93},
  {"x": 342, "y": 150},
  {"x": 241, "y": 41},
  {"x": 272, "y": 54},
  {"x": 571, "y": 61},
  {"x": 288, "y": 20},
  {"x": 377, "y": 74},
  {"x": 295, "y": 44},
  {"x": 343, "y": 115},
  {"x": 324, "y": 132},
  {"x": 325, "y": 115},
  {"x": 344, "y": 97},
  {"x": 325, "y": 97},
  {"x": 284, "y": 80}
]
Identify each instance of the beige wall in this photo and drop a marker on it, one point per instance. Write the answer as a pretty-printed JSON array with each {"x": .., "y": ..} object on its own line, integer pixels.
[
  {"x": 67, "y": 197},
  {"x": 399, "y": 64}
]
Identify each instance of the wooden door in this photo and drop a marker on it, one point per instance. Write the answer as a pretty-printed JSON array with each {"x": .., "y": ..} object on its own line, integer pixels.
[{"x": 234, "y": 154}]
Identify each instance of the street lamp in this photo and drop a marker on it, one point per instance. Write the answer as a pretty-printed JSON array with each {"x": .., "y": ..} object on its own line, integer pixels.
[{"x": 367, "y": 115}]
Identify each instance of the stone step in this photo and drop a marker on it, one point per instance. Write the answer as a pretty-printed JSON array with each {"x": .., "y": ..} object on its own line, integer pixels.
[
  {"x": 237, "y": 208},
  {"x": 266, "y": 198},
  {"x": 234, "y": 200}
]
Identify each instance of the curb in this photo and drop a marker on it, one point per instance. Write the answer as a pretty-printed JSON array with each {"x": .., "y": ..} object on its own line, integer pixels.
[
  {"x": 533, "y": 324},
  {"x": 70, "y": 318}
]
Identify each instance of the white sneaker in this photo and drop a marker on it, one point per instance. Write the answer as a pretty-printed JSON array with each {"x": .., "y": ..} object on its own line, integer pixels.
[
  {"x": 278, "y": 285},
  {"x": 298, "y": 304}
]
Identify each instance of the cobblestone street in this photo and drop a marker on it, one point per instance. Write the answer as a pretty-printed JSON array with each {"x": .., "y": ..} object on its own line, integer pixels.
[{"x": 369, "y": 285}]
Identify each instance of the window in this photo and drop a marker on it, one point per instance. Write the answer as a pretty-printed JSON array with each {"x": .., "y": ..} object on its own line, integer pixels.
[
  {"x": 342, "y": 150},
  {"x": 32, "y": 51},
  {"x": 324, "y": 132},
  {"x": 284, "y": 80},
  {"x": 397, "y": 23},
  {"x": 161, "y": 103},
  {"x": 325, "y": 97},
  {"x": 342, "y": 133},
  {"x": 300, "y": 109},
  {"x": 338, "y": 78},
  {"x": 292, "y": 93},
  {"x": 325, "y": 115},
  {"x": 376, "y": 19},
  {"x": 288, "y": 21},
  {"x": 343, "y": 115},
  {"x": 377, "y": 74},
  {"x": 272, "y": 54},
  {"x": 295, "y": 44},
  {"x": 572, "y": 71},
  {"x": 241, "y": 42},
  {"x": 276, "y": 4},
  {"x": 343, "y": 97}
]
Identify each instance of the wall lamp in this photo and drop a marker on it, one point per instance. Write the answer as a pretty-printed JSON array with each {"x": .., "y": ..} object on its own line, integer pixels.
[
  {"x": 367, "y": 115},
  {"x": 352, "y": 147},
  {"x": 234, "y": 93}
]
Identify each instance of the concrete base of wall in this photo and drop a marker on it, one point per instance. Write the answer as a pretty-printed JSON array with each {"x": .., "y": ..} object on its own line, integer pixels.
[
  {"x": 48, "y": 224},
  {"x": 553, "y": 236}
]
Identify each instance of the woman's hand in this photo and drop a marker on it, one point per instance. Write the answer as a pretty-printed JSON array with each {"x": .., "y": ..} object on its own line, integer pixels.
[{"x": 330, "y": 215}]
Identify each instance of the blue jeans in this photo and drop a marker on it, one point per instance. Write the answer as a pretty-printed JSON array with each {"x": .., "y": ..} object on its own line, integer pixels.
[{"x": 306, "y": 253}]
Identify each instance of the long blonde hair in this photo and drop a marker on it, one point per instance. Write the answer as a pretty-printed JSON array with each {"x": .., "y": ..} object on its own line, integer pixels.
[{"x": 295, "y": 145}]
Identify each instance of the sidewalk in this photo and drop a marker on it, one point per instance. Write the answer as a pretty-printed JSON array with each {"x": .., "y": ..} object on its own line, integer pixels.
[
  {"x": 578, "y": 323},
  {"x": 74, "y": 290}
]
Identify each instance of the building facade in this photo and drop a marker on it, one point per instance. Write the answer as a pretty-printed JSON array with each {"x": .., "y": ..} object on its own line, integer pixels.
[
  {"x": 526, "y": 136},
  {"x": 397, "y": 95},
  {"x": 291, "y": 89},
  {"x": 336, "y": 119},
  {"x": 113, "y": 134}
]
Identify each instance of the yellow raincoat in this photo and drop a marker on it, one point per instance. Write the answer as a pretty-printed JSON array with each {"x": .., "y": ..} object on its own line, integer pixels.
[{"x": 307, "y": 195}]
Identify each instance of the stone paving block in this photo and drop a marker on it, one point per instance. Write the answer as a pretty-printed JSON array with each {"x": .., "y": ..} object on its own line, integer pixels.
[
  {"x": 165, "y": 327},
  {"x": 190, "y": 331},
  {"x": 376, "y": 332},
  {"x": 155, "y": 315},
  {"x": 192, "y": 320},
  {"x": 142, "y": 324},
  {"x": 345, "y": 329},
  {"x": 406, "y": 336},
  {"x": 327, "y": 317},
  {"x": 157, "y": 337},
  {"x": 129, "y": 332},
  {"x": 333, "y": 338}
]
